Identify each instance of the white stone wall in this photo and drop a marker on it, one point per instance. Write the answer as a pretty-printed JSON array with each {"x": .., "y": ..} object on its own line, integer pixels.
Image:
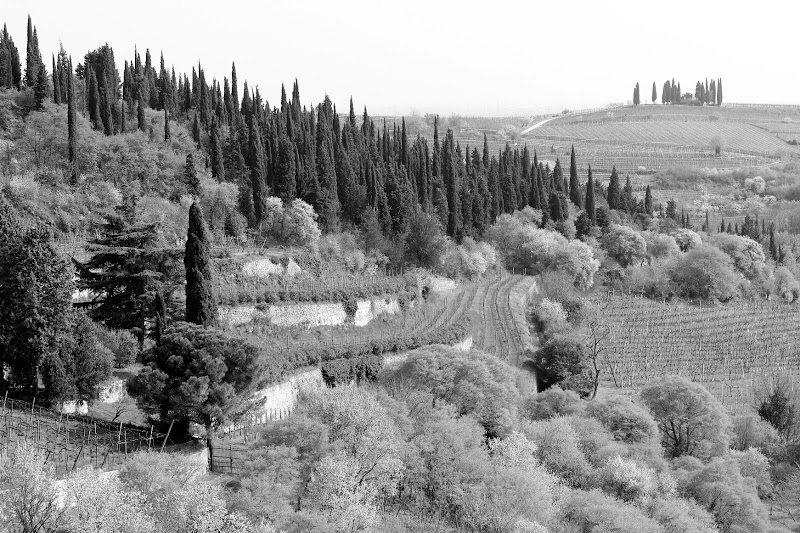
[{"x": 310, "y": 314}]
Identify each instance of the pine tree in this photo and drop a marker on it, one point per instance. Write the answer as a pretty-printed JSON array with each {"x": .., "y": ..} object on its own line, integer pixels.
[
  {"x": 648, "y": 201},
  {"x": 574, "y": 186},
  {"x": 201, "y": 308},
  {"x": 655, "y": 95},
  {"x": 190, "y": 176},
  {"x": 590, "y": 206},
  {"x": 72, "y": 128}
]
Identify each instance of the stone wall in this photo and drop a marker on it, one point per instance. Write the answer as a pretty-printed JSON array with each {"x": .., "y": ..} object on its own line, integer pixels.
[{"x": 309, "y": 314}]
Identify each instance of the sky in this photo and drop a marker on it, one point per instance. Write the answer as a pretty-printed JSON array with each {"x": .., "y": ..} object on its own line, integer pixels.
[{"x": 496, "y": 57}]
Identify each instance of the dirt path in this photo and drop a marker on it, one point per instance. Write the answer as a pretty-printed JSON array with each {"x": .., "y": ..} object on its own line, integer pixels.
[{"x": 495, "y": 330}]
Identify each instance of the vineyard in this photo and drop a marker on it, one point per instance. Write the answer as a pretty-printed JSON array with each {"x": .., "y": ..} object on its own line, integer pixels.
[
  {"x": 68, "y": 442},
  {"x": 731, "y": 349}
]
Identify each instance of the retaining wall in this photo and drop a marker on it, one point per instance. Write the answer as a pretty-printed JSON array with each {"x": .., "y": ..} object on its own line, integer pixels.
[{"x": 310, "y": 314}]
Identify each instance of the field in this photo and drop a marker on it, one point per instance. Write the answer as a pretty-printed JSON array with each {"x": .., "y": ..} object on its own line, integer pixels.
[{"x": 733, "y": 349}]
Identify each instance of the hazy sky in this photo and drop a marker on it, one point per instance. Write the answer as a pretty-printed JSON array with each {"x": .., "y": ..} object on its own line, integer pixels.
[{"x": 488, "y": 57}]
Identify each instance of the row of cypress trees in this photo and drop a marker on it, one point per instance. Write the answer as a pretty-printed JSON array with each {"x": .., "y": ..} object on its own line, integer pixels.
[{"x": 348, "y": 168}]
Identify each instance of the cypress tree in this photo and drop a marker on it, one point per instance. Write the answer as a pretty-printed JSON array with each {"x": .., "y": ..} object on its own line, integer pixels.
[
  {"x": 613, "y": 193},
  {"x": 655, "y": 95},
  {"x": 33, "y": 60},
  {"x": 167, "y": 134},
  {"x": 72, "y": 128},
  {"x": 217, "y": 156},
  {"x": 41, "y": 90},
  {"x": 574, "y": 187},
  {"x": 142, "y": 124},
  {"x": 556, "y": 211},
  {"x": 201, "y": 308},
  {"x": 196, "y": 130},
  {"x": 190, "y": 176},
  {"x": 707, "y": 225},
  {"x": 56, "y": 83},
  {"x": 257, "y": 162},
  {"x": 773, "y": 250},
  {"x": 590, "y": 206},
  {"x": 719, "y": 91}
]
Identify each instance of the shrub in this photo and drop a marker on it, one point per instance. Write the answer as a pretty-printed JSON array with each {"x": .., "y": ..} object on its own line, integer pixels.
[
  {"x": 626, "y": 480},
  {"x": 359, "y": 369},
  {"x": 626, "y": 421},
  {"x": 687, "y": 239},
  {"x": 559, "y": 360},
  {"x": 595, "y": 511},
  {"x": 350, "y": 306},
  {"x": 705, "y": 272},
  {"x": 660, "y": 246},
  {"x": 552, "y": 403},
  {"x": 551, "y": 317},
  {"x": 557, "y": 447}
]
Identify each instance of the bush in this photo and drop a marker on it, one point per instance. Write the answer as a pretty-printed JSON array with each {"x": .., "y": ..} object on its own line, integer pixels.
[
  {"x": 359, "y": 369},
  {"x": 350, "y": 306},
  {"x": 660, "y": 246},
  {"x": 595, "y": 511},
  {"x": 705, "y": 272},
  {"x": 560, "y": 360},
  {"x": 626, "y": 421},
  {"x": 551, "y": 317},
  {"x": 552, "y": 403}
]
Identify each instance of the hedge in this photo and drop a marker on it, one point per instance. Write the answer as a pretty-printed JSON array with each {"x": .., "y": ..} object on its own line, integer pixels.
[
  {"x": 359, "y": 369},
  {"x": 264, "y": 291}
]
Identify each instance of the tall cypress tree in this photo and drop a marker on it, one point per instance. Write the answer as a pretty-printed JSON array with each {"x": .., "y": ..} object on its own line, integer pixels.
[
  {"x": 167, "y": 134},
  {"x": 574, "y": 186},
  {"x": 217, "y": 156},
  {"x": 42, "y": 88},
  {"x": 142, "y": 123},
  {"x": 201, "y": 308},
  {"x": 190, "y": 176},
  {"x": 257, "y": 162},
  {"x": 33, "y": 60},
  {"x": 648, "y": 201},
  {"x": 654, "y": 96},
  {"x": 72, "y": 128},
  {"x": 719, "y": 91},
  {"x": 590, "y": 207},
  {"x": 613, "y": 192}
]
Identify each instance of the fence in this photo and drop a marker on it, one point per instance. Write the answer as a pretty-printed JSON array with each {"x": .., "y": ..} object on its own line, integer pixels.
[
  {"x": 227, "y": 459},
  {"x": 67, "y": 441}
]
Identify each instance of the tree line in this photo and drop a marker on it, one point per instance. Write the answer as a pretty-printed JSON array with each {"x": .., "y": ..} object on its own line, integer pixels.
[{"x": 708, "y": 94}]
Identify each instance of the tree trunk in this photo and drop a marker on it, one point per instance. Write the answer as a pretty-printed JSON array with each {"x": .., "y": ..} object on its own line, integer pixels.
[{"x": 210, "y": 442}]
